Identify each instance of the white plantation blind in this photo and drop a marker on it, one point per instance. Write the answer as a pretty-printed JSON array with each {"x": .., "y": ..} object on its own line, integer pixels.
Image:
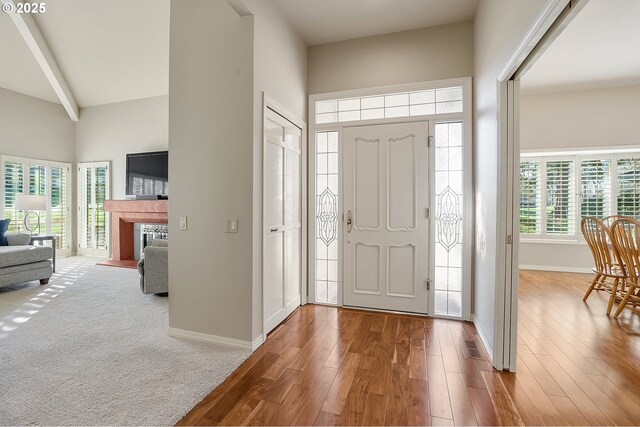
[
  {"x": 93, "y": 221},
  {"x": 530, "y": 197},
  {"x": 628, "y": 186},
  {"x": 560, "y": 200},
  {"x": 556, "y": 193},
  {"x": 595, "y": 188},
  {"x": 13, "y": 172},
  {"x": 59, "y": 205}
]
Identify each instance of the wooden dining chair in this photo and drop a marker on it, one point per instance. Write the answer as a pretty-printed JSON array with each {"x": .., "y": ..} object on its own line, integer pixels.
[
  {"x": 626, "y": 240},
  {"x": 607, "y": 263},
  {"x": 609, "y": 220}
]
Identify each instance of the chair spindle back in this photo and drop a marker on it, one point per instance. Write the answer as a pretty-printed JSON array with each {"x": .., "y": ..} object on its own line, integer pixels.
[{"x": 598, "y": 237}]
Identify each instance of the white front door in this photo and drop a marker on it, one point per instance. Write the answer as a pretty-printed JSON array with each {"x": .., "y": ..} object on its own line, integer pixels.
[
  {"x": 386, "y": 232},
  {"x": 282, "y": 219}
]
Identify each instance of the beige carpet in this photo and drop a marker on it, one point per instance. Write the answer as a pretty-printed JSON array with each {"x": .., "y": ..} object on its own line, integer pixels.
[{"x": 91, "y": 349}]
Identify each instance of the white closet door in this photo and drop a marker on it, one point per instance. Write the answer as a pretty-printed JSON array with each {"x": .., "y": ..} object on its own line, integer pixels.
[{"x": 282, "y": 224}]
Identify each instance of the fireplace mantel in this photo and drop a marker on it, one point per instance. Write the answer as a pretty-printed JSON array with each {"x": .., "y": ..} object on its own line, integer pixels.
[{"x": 124, "y": 213}]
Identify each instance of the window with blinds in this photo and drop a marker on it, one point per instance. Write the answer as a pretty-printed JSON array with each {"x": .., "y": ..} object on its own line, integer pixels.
[
  {"x": 38, "y": 186},
  {"x": 530, "y": 197},
  {"x": 13, "y": 185},
  {"x": 560, "y": 201},
  {"x": 93, "y": 221},
  {"x": 39, "y": 177},
  {"x": 59, "y": 206},
  {"x": 628, "y": 187},
  {"x": 556, "y": 193},
  {"x": 595, "y": 188}
]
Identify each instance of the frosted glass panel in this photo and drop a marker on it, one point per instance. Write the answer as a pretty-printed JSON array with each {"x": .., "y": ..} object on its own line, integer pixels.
[
  {"x": 403, "y": 104},
  {"x": 449, "y": 213},
  {"x": 326, "y": 283}
]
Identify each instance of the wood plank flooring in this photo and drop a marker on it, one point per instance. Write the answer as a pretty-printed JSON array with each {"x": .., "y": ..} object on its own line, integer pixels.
[{"x": 328, "y": 366}]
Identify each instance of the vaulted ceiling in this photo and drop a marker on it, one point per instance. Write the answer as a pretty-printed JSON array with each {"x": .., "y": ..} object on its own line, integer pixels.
[{"x": 108, "y": 50}]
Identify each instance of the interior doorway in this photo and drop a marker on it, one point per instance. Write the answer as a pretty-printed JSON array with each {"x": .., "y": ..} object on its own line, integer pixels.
[{"x": 561, "y": 162}]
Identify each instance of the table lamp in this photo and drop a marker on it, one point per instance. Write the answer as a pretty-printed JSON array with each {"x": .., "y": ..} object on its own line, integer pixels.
[{"x": 31, "y": 204}]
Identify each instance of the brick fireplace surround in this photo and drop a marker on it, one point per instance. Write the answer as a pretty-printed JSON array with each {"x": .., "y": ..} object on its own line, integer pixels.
[{"x": 124, "y": 213}]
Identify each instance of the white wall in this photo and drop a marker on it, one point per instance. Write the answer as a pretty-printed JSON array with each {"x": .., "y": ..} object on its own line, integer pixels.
[
  {"x": 500, "y": 27},
  {"x": 577, "y": 119},
  {"x": 211, "y": 87},
  {"x": 108, "y": 132},
  {"x": 280, "y": 71},
  {"x": 31, "y": 127},
  {"x": 434, "y": 53},
  {"x": 568, "y": 120}
]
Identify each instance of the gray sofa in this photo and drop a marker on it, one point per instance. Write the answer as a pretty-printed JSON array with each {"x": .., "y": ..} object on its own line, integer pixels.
[
  {"x": 21, "y": 262},
  {"x": 154, "y": 268}
]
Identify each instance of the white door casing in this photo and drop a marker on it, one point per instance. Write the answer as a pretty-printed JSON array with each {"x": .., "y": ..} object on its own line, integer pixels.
[
  {"x": 282, "y": 212},
  {"x": 386, "y": 224}
]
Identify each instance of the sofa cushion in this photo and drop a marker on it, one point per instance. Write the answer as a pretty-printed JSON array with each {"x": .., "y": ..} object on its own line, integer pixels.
[
  {"x": 4, "y": 226},
  {"x": 25, "y": 267},
  {"x": 18, "y": 255}
]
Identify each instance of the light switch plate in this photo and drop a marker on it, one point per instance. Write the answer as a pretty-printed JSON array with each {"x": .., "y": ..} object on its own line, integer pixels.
[
  {"x": 183, "y": 223},
  {"x": 231, "y": 225}
]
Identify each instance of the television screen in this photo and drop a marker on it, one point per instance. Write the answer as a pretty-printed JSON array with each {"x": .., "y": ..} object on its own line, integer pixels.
[{"x": 148, "y": 174}]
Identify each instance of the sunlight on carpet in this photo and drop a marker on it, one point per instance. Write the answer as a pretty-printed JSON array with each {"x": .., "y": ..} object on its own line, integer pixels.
[{"x": 90, "y": 348}]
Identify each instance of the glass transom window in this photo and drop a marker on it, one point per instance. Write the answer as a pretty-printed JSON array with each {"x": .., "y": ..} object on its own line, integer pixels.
[{"x": 403, "y": 104}]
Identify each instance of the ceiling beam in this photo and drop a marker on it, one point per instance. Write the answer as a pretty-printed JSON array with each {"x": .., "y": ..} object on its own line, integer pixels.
[{"x": 31, "y": 34}]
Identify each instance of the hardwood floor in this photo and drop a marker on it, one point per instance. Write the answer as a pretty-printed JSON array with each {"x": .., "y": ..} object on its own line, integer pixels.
[{"x": 328, "y": 366}]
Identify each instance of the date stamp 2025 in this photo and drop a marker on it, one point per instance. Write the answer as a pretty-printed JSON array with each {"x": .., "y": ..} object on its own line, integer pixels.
[{"x": 19, "y": 7}]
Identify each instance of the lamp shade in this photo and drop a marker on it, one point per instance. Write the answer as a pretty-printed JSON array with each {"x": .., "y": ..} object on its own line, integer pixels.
[{"x": 31, "y": 202}]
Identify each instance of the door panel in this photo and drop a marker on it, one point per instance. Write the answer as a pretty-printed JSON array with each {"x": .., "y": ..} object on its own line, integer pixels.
[
  {"x": 367, "y": 183},
  {"x": 386, "y": 182},
  {"x": 274, "y": 185},
  {"x": 367, "y": 269},
  {"x": 273, "y": 275},
  {"x": 292, "y": 264},
  {"x": 401, "y": 185},
  {"x": 292, "y": 188},
  {"x": 402, "y": 268}
]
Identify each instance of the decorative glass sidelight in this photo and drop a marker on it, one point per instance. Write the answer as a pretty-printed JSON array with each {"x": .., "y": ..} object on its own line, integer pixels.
[
  {"x": 326, "y": 283},
  {"x": 448, "y": 220}
]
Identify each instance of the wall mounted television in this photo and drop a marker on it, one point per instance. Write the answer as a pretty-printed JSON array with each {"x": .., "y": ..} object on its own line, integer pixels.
[{"x": 148, "y": 174}]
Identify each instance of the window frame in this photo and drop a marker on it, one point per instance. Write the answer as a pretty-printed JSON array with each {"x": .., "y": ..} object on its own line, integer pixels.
[
  {"x": 613, "y": 155},
  {"x": 65, "y": 250}
]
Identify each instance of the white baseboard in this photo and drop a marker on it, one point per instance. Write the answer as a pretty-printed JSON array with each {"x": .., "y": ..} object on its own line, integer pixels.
[
  {"x": 483, "y": 339},
  {"x": 257, "y": 342},
  {"x": 560, "y": 269},
  {"x": 214, "y": 339}
]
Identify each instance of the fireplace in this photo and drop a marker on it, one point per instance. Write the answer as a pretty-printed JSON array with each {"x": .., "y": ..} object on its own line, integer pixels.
[
  {"x": 124, "y": 214},
  {"x": 144, "y": 233}
]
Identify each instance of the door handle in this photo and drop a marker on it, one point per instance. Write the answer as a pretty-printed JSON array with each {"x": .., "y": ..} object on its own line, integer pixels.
[
  {"x": 273, "y": 230},
  {"x": 349, "y": 221}
]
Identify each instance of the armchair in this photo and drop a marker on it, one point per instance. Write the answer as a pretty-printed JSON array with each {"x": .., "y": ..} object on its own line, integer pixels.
[{"x": 154, "y": 268}]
